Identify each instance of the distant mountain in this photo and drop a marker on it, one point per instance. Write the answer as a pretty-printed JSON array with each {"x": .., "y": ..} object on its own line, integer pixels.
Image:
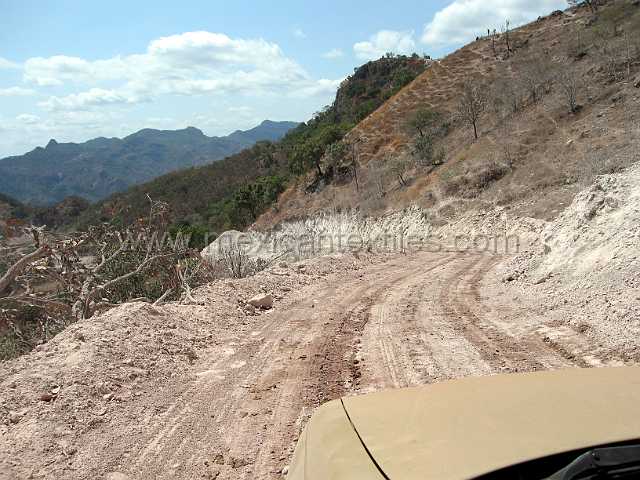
[
  {"x": 231, "y": 193},
  {"x": 97, "y": 168}
]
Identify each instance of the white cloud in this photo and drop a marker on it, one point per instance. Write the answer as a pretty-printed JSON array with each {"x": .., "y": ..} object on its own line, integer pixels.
[
  {"x": 299, "y": 33},
  {"x": 16, "y": 92},
  {"x": 28, "y": 119},
  {"x": 322, "y": 87},
  {"x": 333, "y": 53},
  {"x": 91, "y": 98},
  {"x": 4, "y": 63},
  {"x": 463, "y": 20},
  {"x": 383, "y": 42},
  {"x": 190, "y": 63}
]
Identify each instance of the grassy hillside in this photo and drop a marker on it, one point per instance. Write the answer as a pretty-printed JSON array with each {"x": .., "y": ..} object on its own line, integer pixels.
[
  {"x": 559, "y": 105},
  {"x": 233, "y": 192}
]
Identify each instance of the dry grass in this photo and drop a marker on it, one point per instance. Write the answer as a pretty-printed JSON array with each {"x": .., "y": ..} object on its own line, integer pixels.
[{"x": 550, "y": 152}]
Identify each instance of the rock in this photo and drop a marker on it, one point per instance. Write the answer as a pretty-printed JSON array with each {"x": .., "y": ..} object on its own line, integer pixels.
[
  {"x": 138, "y": 372},
  {"x": 46, "y": 397},
  {"x": 263, "y": 300},
  {"x": 15, "y": 417},
  {"x": 636, "y": 82},
  {"x": 238, "y": 462},
  {"x": 509, "y": 278},
  {"x": 285, "y": 470},
  {"x": 542, "y": 279},
  {"x": 117, "y": 476},
  {"x": 280, "y": 272}
]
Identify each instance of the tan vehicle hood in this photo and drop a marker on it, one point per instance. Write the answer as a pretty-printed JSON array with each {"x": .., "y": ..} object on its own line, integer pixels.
[{"x": 465, "y": 428}]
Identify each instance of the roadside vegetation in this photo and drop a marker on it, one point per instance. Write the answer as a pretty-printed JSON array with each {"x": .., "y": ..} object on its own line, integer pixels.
[{"x": 503, "y": 130}]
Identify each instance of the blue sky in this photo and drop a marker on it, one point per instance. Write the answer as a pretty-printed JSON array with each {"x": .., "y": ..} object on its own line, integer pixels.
[{"x": 74, "y": 70}]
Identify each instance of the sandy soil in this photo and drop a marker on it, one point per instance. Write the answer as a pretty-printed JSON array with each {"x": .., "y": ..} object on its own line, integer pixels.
[{"x": 216, "y": 391}]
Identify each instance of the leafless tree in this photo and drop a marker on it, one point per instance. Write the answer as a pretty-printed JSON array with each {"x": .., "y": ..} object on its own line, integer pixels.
[
  {"x": 236, "y": 260},
  {"x": 570, "y": 82},
  {"x": 472, "y": 104},
  {"x": 399, "y": 165},
  {"x": 592, "y": 4},
  {"x": 534, "y": 73},
  {"x": 505, "y": 96},
  {"x": 379, "y": 176},
  {"x": 101, "y": 267},
  {"x": 506, "y": 32}
]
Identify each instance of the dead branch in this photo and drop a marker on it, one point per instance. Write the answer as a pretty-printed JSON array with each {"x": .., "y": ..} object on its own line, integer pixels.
[{"x": 17, "y": 268}]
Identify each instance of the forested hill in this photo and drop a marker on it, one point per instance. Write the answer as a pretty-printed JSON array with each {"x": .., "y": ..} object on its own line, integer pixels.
[
  {"x": 102, "y": 166},
  {"x": 231, "y": 193}
]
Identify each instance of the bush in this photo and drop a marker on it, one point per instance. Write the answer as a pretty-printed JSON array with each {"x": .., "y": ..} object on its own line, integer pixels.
[
  {"x": 473, "y": 184},
  {"x": 238, "y": 264}
]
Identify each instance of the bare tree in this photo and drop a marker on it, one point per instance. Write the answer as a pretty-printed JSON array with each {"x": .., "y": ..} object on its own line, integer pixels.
[
  {"x": 570, "y": 82},
  {"x": 472, "y": 104},
  {"x": 21, "y": 265},
  {"x": 399, "y": 165},
  {"x": 379, "y": 176},
  {"x": 102, "y": 267},
  {"x": 506, "y": 96},
  {"x": 592, "y": 4},
  {"x": 494, "y": 35},
  {"x": 534, "y": 73},
  {"x": 355, "y": 144},
  {"x": 506, "y": 32}
]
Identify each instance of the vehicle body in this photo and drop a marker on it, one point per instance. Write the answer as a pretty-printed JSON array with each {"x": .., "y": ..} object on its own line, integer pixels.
[{"x": 471, "y": 427}]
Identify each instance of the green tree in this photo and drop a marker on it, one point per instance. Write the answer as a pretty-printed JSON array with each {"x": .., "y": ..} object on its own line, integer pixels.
[{"x": 426, "y": 123}]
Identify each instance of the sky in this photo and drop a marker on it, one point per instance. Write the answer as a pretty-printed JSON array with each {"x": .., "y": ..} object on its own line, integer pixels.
[{"x": 76, "y": 70}]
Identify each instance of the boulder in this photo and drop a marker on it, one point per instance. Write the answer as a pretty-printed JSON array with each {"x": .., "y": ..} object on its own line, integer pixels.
[{"x": 263, "y": 300}]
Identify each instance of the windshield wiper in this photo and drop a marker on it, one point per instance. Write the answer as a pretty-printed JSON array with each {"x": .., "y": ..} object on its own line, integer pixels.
[{"x": 607, "y": 462}]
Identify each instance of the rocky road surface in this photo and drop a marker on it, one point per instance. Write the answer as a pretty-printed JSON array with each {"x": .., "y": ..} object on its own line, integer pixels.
[{"x": 233, "y": 409}]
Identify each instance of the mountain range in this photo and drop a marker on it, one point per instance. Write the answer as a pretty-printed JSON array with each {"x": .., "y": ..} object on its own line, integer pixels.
[{"x": 100, "y": 167}]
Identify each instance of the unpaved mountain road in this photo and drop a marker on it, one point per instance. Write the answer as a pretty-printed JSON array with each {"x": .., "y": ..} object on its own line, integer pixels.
[{"x": 237, "y": 411}]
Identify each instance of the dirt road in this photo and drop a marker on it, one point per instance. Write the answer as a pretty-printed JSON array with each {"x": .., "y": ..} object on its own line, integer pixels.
[{"x": 236, "y": 411}]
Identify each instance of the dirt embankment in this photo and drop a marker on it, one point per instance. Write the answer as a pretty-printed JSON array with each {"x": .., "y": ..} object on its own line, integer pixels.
[
  {"x": 219, "y": 390},
  {"x": 215, "y": 391}
]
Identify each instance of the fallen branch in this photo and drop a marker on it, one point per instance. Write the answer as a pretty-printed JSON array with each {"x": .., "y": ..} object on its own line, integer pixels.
[{"x": 17, "y": 268}]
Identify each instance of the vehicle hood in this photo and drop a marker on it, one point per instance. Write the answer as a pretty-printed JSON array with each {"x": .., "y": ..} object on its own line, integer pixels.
[{"x": 465, "y": 428}]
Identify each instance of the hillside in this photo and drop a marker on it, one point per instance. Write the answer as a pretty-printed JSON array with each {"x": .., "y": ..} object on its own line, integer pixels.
[
  {"x": 11, "y": 208},
  {"x": 102, "y": 166},
  {"x": 231, "y": 193},
  {"x": 533, "y": 153},
  {"x": 474, "y": 216}
]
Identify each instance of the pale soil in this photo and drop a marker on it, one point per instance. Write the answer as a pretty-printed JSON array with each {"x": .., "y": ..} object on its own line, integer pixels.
[{"x": 208, "y": 391}]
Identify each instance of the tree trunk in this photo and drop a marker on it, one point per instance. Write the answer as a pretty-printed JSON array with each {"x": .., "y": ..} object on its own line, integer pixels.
[
  {"x": 17, "y": 268},
  {"x": 355, "y": 175},
  {"x": 475, "y": 130}
]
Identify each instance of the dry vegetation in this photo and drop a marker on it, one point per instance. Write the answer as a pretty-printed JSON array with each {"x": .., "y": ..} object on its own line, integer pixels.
[
  {"x": 552, "y": 103},
  {"x": 49, "y": 280}
]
